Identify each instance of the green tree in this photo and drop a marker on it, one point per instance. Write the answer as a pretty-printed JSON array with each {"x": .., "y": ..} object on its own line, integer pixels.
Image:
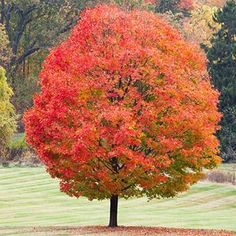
[
  {"x": 33, "y": 27},
  {"x": 7, "y": 115},
  {"x": 222, "y": 67}
]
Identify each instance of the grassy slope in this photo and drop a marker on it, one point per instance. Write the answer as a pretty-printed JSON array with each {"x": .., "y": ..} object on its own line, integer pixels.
[{"x": 29, "y": 197}]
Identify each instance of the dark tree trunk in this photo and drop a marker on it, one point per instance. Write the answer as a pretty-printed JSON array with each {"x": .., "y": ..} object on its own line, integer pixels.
[{"x": 113, "y": 211}]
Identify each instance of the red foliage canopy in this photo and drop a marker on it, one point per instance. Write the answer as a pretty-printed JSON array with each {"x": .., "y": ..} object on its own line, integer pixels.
[{"x": 126, "y": 108}]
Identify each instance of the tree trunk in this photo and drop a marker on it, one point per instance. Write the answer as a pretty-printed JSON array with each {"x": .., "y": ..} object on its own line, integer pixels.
[{"x": 113, "y": 211}]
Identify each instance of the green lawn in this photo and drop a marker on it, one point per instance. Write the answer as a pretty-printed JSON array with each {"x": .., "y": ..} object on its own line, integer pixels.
[{"x": 29, "y": 197}]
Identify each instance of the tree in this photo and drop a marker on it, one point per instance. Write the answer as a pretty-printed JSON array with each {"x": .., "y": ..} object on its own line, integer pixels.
[
  {"x": 118, "y": 115},
  {"x": 34, "y": 25},
  {"x": 134, "y": 4},
  {"x": 221, "y": 56},
  {"x": 174, "y": 11},
  {"x": 7, "y": 115},
  {"x": 200, "y": 27},
  {"x": 5, "y": 51},
  {"x": 174, "y": 6},
  {"x": 212, "y": 3}
]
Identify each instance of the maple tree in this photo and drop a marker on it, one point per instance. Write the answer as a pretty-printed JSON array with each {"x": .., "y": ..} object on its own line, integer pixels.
[
  {"x": 126, "y": 109},
  {"x": 186, "y": 5}
]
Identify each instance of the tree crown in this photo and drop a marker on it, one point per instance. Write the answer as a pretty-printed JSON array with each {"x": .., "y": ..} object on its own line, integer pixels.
[{"x": 126, "y": 108}]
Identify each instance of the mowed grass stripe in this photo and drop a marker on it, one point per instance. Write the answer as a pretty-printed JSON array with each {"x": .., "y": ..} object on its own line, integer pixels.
[
  {"x": 22, "y": 170},
  {"x": 180, "y": 202},
  {"x": 23, "y": 175},
  {"x": 30, "y": 197}
]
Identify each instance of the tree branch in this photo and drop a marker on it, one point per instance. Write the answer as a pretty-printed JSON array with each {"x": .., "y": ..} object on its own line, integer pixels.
[
  {"x": 108, "y": 167},
  {"x": 7, "y": 16},
  {"x": 126, "y": 188},
  {"x": 22, "y": 23},
  {"x": 26, "y": 54}
]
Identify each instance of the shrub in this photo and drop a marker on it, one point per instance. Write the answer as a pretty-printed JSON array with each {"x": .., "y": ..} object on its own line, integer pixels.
[
  {"x": 17, "y": 146},
  {"x": 222, "y": 177}
]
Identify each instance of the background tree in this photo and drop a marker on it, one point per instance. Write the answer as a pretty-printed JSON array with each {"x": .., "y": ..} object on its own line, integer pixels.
[
  {"x": 174, "y": 11},
  {"x": 222, "y": 67},
  {"x": 7, "y": 115},
  {"x": 201, "y": 26},
  {"x": 134, "y": 120},
  {"x": 211, "y": 3},
  {"x": 33, "y": 27},
  {"x": 174, "y": 6},
  {"x": 134, "y": 4},
  {"x": 5, "y": 50}
]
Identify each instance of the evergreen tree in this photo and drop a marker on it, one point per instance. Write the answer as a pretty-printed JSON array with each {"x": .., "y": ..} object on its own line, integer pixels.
[{"x": 222, "y": 68}]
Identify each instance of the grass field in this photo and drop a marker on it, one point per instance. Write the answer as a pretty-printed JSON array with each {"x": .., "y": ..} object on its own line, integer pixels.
[{"x": 29, "y": 197}]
